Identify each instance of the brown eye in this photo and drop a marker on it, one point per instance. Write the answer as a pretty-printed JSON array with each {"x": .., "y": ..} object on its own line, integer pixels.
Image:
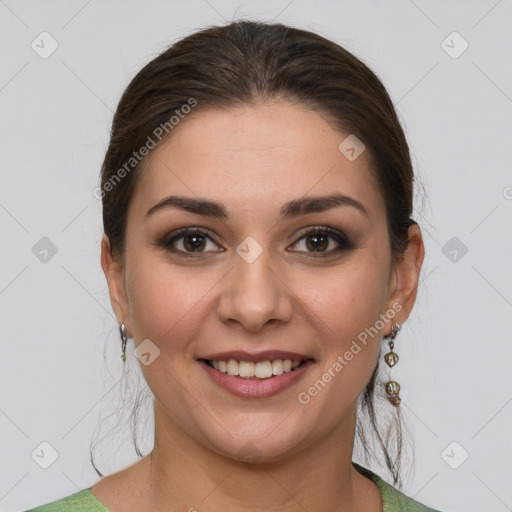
[
  {"x": 317, "y": 242},
  {"x": 194, "y": 242},
  {"x": 188, "y": 241}
]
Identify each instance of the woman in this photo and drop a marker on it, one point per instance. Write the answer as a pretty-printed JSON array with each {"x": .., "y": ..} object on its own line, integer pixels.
[{"x": 259, "y": 249}]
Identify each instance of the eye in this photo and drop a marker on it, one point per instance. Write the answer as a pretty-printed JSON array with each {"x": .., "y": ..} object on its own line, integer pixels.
[
  {"x": 318, "y": 240},
  {"x": 188, "y": 241},
  {"x": 191, "y": 242}
]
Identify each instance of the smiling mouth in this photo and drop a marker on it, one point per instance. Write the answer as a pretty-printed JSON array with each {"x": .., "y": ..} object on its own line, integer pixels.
[{"x": 259, "y": 370}]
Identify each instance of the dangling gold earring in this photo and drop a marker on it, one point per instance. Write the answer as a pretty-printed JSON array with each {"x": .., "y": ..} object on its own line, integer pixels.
[
  {"x": 122, "y": 330},
  {"x": 391, "y": 358}
]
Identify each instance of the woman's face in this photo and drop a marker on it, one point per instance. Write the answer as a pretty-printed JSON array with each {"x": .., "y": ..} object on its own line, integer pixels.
[{"x": 257, "y": 283}]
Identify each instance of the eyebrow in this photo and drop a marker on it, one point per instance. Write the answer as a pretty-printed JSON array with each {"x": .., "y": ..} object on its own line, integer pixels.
[{"x": 294, "y": 208}]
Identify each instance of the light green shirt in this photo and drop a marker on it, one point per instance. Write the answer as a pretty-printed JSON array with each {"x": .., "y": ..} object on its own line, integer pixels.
[{"x": 393, "y": 500}]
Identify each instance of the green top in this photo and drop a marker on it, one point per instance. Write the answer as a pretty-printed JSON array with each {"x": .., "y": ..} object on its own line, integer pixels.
[{"x": 393, "y": 499}]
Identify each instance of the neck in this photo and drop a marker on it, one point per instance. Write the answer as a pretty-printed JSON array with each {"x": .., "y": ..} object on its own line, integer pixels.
[{"x": 182, "y": 474}]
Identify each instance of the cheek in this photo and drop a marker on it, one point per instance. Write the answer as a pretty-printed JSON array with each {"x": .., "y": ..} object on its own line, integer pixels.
[
  {"x": 346, "y": 306},
  {"x": 346, "y": 299},
  {"x": 167, "y": 304},
  {"x": 343, "y": 304}
]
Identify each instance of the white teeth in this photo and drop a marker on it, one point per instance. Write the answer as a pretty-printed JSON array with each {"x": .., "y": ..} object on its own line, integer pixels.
[
  {"x": 232, "y": 367},
  {"x": 277, "y": 367},
  {"x": 246, "y": 369},
  {"x": 261, "y": 369}
]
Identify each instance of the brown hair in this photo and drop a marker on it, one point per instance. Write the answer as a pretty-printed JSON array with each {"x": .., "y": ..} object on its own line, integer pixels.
[{"x": 249, "y": 62}]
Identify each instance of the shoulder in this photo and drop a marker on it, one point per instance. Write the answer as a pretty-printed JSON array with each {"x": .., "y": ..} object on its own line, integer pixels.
[
  {"x": 397, "y": 501},
  {"x": 83, "y": 501},
  {"x": 393, "y": 499}
]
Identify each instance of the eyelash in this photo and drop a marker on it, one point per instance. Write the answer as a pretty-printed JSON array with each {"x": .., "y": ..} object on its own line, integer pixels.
[{"x": 340, "y": 237}]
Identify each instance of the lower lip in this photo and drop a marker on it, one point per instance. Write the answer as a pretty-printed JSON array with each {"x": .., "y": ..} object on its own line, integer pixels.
[{"x": 254, "y": 387}]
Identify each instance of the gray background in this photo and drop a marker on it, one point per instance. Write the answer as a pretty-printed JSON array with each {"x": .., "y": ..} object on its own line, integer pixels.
[{"x": 60, "y": 365}]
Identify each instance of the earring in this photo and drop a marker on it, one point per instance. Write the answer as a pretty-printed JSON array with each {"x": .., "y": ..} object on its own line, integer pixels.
[
  {"x": 391, "y": 358},
  {"x": 122, "y": 330}
]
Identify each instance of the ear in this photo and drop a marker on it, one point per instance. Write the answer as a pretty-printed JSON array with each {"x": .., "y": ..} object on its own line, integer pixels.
[
  {"x": 405, "y": 276},
  {"x": 114, "y": 274}
]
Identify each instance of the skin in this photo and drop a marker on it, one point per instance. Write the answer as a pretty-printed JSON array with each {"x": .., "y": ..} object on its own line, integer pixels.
[{"x": 254, "y": 159}]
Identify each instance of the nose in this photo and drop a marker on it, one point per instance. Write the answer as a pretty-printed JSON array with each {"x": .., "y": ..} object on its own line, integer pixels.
[{"x": 254, "y": 295}]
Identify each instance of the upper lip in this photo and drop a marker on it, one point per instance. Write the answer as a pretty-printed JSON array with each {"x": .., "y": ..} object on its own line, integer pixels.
[{"x": 242, "y": 355}]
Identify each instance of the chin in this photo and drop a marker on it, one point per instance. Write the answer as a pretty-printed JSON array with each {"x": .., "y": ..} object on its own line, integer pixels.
[{"x": 268, "y": 441}]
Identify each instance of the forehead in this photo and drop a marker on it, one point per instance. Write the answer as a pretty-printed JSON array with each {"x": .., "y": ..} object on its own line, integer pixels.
[{"x": 255, "y": 157}]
